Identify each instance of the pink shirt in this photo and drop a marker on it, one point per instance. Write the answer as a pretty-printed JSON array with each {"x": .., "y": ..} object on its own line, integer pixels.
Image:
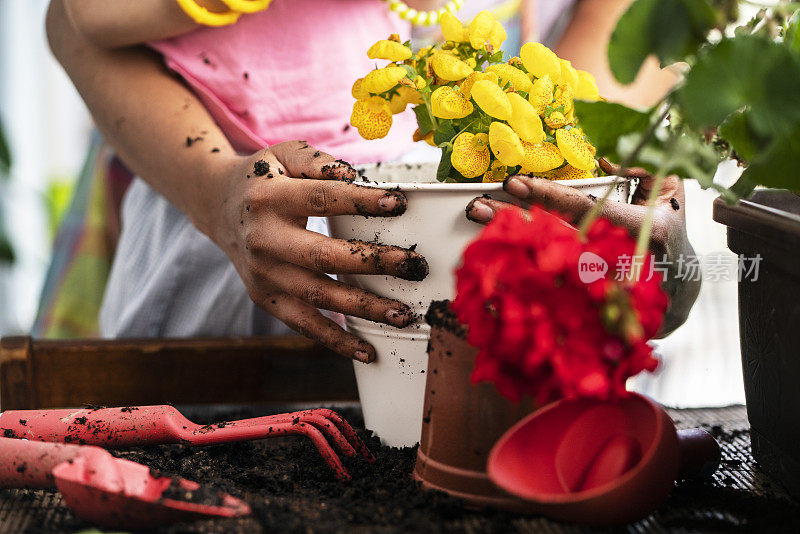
[{"x": 286, "y": 73}]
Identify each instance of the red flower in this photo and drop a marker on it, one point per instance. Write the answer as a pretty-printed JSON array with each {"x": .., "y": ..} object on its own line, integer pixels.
[{"x": 542, "y": 331}]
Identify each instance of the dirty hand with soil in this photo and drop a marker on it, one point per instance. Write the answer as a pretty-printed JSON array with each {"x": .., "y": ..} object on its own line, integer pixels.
[{"x": 272, "y": 194}]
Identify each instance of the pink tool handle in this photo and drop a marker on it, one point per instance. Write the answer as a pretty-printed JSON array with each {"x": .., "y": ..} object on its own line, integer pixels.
[
  {"x": 124, "y": 427},
  {"x": 29, "y": 464}
]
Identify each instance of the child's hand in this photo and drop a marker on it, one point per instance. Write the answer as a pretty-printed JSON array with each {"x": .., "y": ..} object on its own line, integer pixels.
[{"x": 283, "y": 265}]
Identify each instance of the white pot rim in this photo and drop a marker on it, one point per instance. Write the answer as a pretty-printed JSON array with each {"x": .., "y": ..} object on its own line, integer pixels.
[{"x": 479, "y": 187}]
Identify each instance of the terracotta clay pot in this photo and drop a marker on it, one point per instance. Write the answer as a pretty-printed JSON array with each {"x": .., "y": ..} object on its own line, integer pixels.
[{"x": 461, "y": 420}]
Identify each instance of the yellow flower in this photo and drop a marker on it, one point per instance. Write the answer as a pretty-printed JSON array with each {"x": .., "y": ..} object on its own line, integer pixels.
[
  {"x": 563, "y": 97},
  {"x": 480, "y": 28},
  {"x": 447, "y": 103},
  {"x": 540, "y": 157},
  {"x": 524, "y": 119},
  {"x": 575, "y": 150},
  {"x": 391, "y": 50},
  {"x": 497, "y": 36},
  {"x": 497, "y": 173},
  {"x": 450, "y": 68},
  {"x": 397, "y": 103},
  {"x": 428, "y": 137},
  {"x": 555, "y": 120},
  {"x": 419, "y": 82},
  {"x": 466, "y": 85},
  {"x": 381, "y": 80},
  {"x": 541, "y": 94},
  {"x": 541, "y": 61},
  {"x": 452, "y": 29},
  {"x": 411, "y": 95},
  {"x": 505, "y": 144},
  {"x": 569, "y": 76},
  {"x": 471, "y": 154},
  {"x": 587, "y": 87},
  {"x": 491, "y": 99},
  {"x": 358, "y": 92},
  {"x": 506, "y": 73},
  {"x": 372, "y": 117},
  {"x": 568, "y": 172}
]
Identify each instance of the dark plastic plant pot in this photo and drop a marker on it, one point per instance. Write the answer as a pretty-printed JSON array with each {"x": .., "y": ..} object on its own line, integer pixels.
[
  {"x": 461, "y": 420},
  {"x": 768, "y": 224}
]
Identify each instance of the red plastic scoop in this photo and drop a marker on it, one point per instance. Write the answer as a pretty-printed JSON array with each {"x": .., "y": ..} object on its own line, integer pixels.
[
  {"x": 158, "y": 425},
  {"x": 109, "y": 491},
  {"x": 599, "y": 462}
]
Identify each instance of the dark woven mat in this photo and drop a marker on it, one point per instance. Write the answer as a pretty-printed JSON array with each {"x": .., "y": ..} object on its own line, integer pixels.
[{"x": 739, "y": 498}]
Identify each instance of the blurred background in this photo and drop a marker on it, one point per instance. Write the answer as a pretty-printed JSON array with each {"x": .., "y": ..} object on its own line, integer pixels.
[{"x": 49, "y": 133}]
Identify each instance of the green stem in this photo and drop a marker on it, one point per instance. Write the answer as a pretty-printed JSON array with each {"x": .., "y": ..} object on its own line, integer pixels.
[
  {"x": 643, "y": 241},
  {"x": 595, "y": 211}
]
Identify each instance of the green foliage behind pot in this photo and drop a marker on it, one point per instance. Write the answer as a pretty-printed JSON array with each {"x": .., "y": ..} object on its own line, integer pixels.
[
  {"x": 740, "y": 96},
  {"x": 6, "y": 251}
]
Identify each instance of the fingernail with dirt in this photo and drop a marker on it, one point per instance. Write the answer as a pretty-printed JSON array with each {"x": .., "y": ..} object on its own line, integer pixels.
[
  {"x": 398, "y": 318},
  {"x": 414, "y": 267},
  {"x": 517, "y": 187},
  {"x": 362, "y": 356},
  {"x": 479, "y": 212},
  {"x": 392, "y": 203}
]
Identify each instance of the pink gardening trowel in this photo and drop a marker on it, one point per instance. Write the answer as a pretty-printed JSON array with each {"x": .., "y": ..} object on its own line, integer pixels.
[
  {"x": 108, "y": 491},
  {"x": 599, "y": 462}
]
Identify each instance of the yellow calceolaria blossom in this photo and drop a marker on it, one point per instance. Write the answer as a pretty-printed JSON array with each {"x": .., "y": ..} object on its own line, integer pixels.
[
  {"x": 569, "y": 76},
  {"x": 381, "y": 80},
  {"x": 447, "y": 103},
  {"x": 587, "y": 87},
  {"x": 480, "y": 29},
  {"x": 524, "y": 119},
  {"x": 540, "y": 157},
  {"x": 471, "y": 154},
  {"x": 541, "y": 94},
  {"x": 541, "y": 61},
  {"x": 497, "y": 173},
  {"x": 505, "y": 144},
  {"x": 428, "y": 137},
  {"x": 567, "y": 172},
  {"x": 391, "y": 50},
  {"x": 466, "y": 84},
  {"x": 563, "y": 96},
  {"x": 372, "y": 117},
  {"x": 450, "y": 68},
  {"x": 411, "y": 94},
  {"x": 452, "y": 29},
  {"x": 358, "y": 92},
  {"x": 397, "y": 103},
  {"x": 497, "y": 36},
  {"x": 491, "y": 99},
  {"x": 555, "y": 120},
  {"x": 575, "y": 150},
  {"x": 506, "y": 73},
  {"x": 420, "y": 83}
]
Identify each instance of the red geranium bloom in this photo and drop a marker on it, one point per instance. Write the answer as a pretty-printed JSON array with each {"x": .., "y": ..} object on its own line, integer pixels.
[{"x": 539, "y": 328}]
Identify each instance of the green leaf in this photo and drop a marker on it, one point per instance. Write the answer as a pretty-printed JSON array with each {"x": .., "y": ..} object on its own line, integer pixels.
[
  {"x": 604, "y": 123},
  {"x": 6, "y": 251},
  {"x": 777, "y": 166},
  {"x": 445, "y": 167},
  {"x": 669, "y": 29},
  {"x": 5, "y": 154},
  {"x": 743, "y": 72},
  {"x": 736, "y": 130},
  {"x": 445, "y": 133},
  {"x": 423, "y": 119},
  {"x": 792, "y": 36}
]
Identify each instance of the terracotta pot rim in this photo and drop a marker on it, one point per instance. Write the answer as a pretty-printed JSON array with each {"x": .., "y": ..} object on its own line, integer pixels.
[{"x": 582, "y": 496}]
